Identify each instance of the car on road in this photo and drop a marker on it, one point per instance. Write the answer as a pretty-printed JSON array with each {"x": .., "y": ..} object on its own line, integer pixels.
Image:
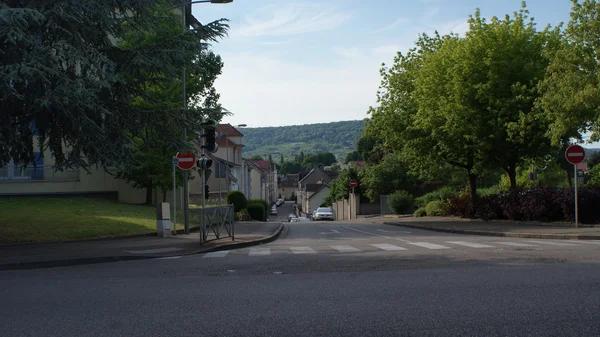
[
  {"x": 274, "y": 210},
  {"x": 323, "y": 213},
  {"x": 291, "y": 216},
  {"x": 279, "y": 202}
]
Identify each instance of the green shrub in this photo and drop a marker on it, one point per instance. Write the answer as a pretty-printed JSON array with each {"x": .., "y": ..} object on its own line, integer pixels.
[
  {"x": 401, "y": 201},
  {"x": 238, "y": 199},
  {"x": 263, "y": 204},
  {"x": 257, "y": 211},
  {"x": 435, "y": 208},
  {"x": 487, "y": 191},
  {"x": 441, "y": 194},
  {"x": 421, "y": 212},
  {"x": 239, "y": 215}
]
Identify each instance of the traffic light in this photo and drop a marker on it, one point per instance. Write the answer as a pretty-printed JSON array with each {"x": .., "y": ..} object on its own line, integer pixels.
[
  {"x": 206, "y": 191},
  {"x": 204, "y": 163},
  {"x": 210, "y": 135}
]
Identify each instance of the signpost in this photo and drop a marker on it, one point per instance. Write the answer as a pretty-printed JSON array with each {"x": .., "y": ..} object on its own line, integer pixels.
[
  {"x": 184, "y": 161},
  {"x": 575, "y": 154},
  {"x": 353, "y": 184}
]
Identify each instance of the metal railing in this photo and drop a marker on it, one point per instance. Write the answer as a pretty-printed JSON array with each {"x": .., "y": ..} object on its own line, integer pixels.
[
  {"x": 40, "y": 173},
  {"x": 219, "y": 221}
]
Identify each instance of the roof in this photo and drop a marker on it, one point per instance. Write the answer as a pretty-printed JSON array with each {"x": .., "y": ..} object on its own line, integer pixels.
[
  {"x": 263, "y": 164},
  {"x": 294, "y": 178},
  {"x": 357, "y": 163},
  {"x": 332, "y": 174},
  {"x": 228, "y": 130},
  {"x": 287, "y": 183},
  {"x": 314, "y": 187},
  {"x": 319, "y": 189},
  {"x": 225, "y": 142}
]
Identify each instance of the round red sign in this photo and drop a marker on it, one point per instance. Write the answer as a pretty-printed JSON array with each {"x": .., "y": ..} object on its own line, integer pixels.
[
  {"x": 575, "y": 154},
  {"x": 353, "y": 183},
  {"x": 186, "y": 161}
]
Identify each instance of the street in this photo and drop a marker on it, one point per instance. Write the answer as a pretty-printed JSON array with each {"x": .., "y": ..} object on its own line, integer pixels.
[{"x": 322, "y": 279}]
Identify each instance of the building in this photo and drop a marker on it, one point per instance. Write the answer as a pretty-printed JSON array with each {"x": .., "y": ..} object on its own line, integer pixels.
[
  {"x": 313, "y": 196},
  {"x": 316, "y": 176},
  {"x": 288, "y": 186},
  {"x": 270, "y": 178}
]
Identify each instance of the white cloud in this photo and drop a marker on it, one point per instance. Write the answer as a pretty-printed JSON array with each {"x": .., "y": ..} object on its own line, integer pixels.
[
  {"x": 265, "y": 91},
  {"x": 393, "y": 25},
  {"x": 459, "y": 27},
  {"x": 290, "y": 19},
  {"x": 274, "y": 43}
]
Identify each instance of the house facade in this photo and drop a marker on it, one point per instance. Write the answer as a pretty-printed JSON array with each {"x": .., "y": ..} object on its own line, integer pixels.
[
  {"x": 314, "y": 196},
  {"x": 288, "y": 186},
  {"x": 316, "y": 176}
]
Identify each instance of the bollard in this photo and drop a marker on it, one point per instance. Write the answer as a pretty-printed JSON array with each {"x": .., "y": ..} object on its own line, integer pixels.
[{"x": 163, "y": 220}]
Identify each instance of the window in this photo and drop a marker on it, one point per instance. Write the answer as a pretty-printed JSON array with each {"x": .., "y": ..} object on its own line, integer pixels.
[{"x": 220, "y": 170}]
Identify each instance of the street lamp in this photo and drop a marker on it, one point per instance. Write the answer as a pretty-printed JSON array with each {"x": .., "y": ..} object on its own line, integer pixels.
[{"x": 186, "y": 191}]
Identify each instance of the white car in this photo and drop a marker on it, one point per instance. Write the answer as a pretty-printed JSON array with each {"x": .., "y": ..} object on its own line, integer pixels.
[
  {"x": 279, "y": 202},
  {"x": 300, "y": 219},
  {"x": 323, "y": 213},
  {"x": 274, "y": 210}
]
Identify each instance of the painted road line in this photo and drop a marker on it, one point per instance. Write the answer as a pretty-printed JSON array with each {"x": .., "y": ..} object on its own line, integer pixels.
[
  {"x": 154, "y": 251},
  {"x": 302, "y": 250},
  {"x": 386, "y": 246},
  {"x": 221, "y": 253},
  {"x": 553, "y": 243},
  {"x": 401, "y": 232},
  {"x": 428, "y": 245},
  {"x": 259, "y": 251},
  {"x": 470, "y": 244},
  {"x": 375, "y": 234},
  {"x": 346, "y": 249},
  {"x": 169, "y": 257},
  {"x": 515, "y": 244}
]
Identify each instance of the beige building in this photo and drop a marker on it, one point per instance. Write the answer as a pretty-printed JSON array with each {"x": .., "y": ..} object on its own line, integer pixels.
[{"x": 313, "y": 196}]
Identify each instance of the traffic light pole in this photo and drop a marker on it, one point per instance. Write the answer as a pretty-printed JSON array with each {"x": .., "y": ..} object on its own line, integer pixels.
[{"x": 203, "y": 215}]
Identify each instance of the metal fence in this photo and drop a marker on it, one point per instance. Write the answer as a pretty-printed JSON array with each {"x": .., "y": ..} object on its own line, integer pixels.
[{"x": 215, "y": 222}]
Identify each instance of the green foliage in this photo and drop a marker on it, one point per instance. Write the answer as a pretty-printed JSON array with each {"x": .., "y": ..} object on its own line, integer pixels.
[
  {"x": 257, "y": 211},
  {"x": 241, "y": 214},
  {"x": 238, "y": 199},
  {"x": 594, "y": 176},
  {"x": 420, "y": 212},
  {"x": 440, "y": 194},
  {"x": 338, "y": 138},
  {"x": 400, "y": 201},
  {"x": 263, "y": 203},
  {"x": 435, "y": 208},
  {"x": 339, "y": 188},
  {"x": 352, "y": 156},
  {"x": 549, "y": 174},
  {"x": 391, "y": 174},
  {"x": 63, "y": 74},
  {"x": 496, "y": 189}
]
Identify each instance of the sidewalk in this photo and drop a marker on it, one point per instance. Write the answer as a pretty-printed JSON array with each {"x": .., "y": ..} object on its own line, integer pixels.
[
  {"x": 493, "y": 227},
  {"x": 44, "y": 255}
]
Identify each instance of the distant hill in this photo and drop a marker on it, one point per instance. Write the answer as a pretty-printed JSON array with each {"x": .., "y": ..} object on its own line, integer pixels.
[{"x": 338, "y": 138}]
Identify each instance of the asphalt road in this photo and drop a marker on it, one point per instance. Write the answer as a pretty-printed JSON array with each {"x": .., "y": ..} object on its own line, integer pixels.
[{"x": 322, "y": 279}]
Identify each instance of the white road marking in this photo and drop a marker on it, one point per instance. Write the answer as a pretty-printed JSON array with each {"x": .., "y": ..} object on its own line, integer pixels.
[
  {"x": 346, "y": 249},
  {"x": 470, "y": 244},
  {"x": 152, "y": 251},
  {"x": 333, "y": 231},
  {"x": 259, "y": 251},
  {"x": 428, "y": 245},
  {"x": 553, "y": 243},
  {"x": 302, "y": 250},
  {"x": 515, "y": 244},
  {"x": 358, "y": 230},
  {"x": 169, "y": 257},
  {"x": 593, "y": 242},
  {"x": 386, "y": 246},
  {"x": 221, "y": 253},
  {"x": 401, "y": 232}
]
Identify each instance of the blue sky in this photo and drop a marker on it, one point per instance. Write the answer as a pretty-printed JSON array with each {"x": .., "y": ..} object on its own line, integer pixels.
[{"x": 304, "y": 62}]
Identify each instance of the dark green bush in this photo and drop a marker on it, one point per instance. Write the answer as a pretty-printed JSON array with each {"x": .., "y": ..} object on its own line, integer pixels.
[
  {"x": 435, "y": 208},
  {"x": 257, "y": 211},
  {"x": 238, "y": 199},
  {"x": 400, "y": 201},
  {"x": 263, "y": 204},
  {"x": 421, "y": 212},
  {"x": 441, "y": 194}
]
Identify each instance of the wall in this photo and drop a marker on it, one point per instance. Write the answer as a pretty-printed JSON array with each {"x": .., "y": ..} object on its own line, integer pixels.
[
  {"x": 317, "y": 199},
  {"x": 383, "y": 203}
]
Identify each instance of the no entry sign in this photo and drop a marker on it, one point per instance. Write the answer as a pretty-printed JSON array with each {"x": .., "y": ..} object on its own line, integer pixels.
[
  {"x": 353, "y": 183},
  {"x": 186, "y": 160},
  {"x": 575, "y": 154}
]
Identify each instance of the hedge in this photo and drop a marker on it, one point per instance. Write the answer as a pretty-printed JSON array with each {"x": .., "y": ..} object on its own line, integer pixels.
[
  {"x": 238, "y": 199},
  {"x": 538, "y": 204},
  {"x": 400, "y": 201},
  {"x": 263, "y": 204},
  {"x": 256, "y": 211}
]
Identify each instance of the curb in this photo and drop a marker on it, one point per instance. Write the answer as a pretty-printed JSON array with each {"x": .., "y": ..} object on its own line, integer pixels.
[
  {"x": 106, "y": 259},
  {"x": 502, "y": 234}
]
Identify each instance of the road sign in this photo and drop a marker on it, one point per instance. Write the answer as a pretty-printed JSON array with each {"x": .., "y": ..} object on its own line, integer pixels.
[
  {"x": 575, "y": 154},
  {"x": 353, "y": 183},
  {"x": 175, "y": 161},
  {"x": 185, "y": 161}
]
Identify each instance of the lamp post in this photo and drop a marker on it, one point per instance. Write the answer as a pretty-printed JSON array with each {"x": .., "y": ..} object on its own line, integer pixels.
[{"x": 186, "y": 191}]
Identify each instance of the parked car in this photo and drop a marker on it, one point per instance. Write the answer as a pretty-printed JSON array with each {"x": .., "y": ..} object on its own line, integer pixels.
[
  {"x": 323, "y": 213},
  {"x": 291, "y": 216},
  {"x": 274, "y": 210},
  {"x": 279, "y": 202},
  {"x": 300, "y": 219}
]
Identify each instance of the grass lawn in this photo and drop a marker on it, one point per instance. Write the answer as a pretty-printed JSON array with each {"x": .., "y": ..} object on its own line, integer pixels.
[{"x": 72, "y": 218}]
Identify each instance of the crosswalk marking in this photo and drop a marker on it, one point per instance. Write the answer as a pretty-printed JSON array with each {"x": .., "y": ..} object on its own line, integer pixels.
[
  {"x": 302, "y": 250},
  {"x": 515, "y": 244},
  {"x": 428, "y": 245},
  {"x": 386, "y": 246},
  {"x": 553, "y": 243},
  {"x": 470, "y": 244},
  {"x": 221, "y": 253},
  {"x": 259, "y": 251},
  {"x": 346, "y": 249}
]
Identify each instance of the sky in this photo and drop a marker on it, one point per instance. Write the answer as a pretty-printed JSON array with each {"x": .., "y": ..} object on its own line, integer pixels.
[{"x": 305, "y": 62}]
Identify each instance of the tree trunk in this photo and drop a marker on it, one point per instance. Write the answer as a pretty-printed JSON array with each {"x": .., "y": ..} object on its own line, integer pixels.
[
  {"x": 473, "y": 187},
  {"x": 149, "y": 196},
  {"x": 164, "y": 199},
  {"x": 512, "y": 175},
  {"x": 569, "y": 179}
]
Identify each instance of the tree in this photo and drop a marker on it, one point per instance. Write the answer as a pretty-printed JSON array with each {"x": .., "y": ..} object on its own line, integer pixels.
[
  {"x": 571, "y": 88},
  {"x": 65, "y": 79},
  {"x": 339, "y": 188},
  {"x": 352, "y": 156},
  {"x": 391, "y": 174}
]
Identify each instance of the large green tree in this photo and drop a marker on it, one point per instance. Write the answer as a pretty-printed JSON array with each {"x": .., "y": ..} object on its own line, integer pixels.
[{"x": 66, "y": 79}]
